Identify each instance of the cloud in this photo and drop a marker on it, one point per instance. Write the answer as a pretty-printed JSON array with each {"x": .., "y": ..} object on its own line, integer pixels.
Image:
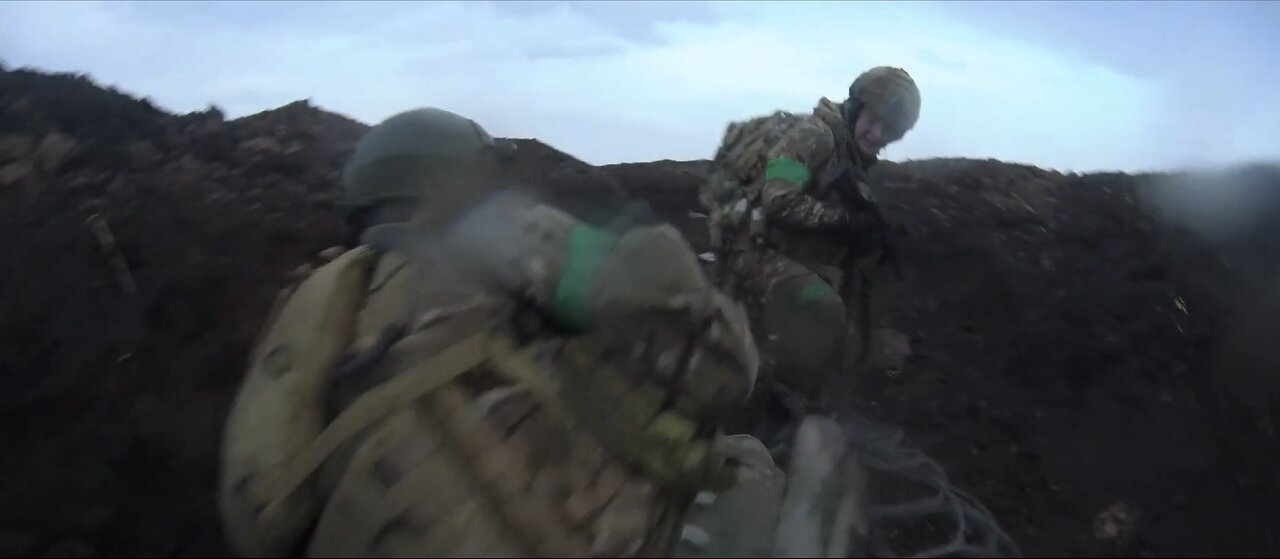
[
  {"x": 612, "y": 82},
  {"x": 1211, "y": 65},
  {"x": 633, "y": 21}
]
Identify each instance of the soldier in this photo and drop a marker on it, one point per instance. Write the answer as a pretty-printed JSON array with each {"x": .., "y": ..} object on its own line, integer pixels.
[
  {"x": 485, "y": 375},
  {"x": 794, "y": 223},
  {"x": 489, "y": 376}
]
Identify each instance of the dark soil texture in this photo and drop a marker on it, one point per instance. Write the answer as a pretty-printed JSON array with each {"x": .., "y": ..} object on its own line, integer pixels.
[{"x": 1077, "y": 350}]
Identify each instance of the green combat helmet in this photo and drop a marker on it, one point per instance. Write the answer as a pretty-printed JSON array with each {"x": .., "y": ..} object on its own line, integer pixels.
[
  {"x": 423, "y": 154},
  {"x": 890, "y": 93}
]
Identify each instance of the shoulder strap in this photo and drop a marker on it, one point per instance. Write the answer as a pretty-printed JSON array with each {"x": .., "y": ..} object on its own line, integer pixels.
[
  {"x": 379, "y": 402},
  {"x": 279, "y": 409}
]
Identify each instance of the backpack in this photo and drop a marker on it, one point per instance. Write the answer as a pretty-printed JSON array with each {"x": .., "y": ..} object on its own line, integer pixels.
[
  {"x": 732, "y": 191},
  {"x": 280, "y": 437}
]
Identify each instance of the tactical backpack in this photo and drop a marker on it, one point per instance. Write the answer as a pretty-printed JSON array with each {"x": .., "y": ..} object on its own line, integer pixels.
[
  {"x": 731, "y": 194},
  {"x": 278, "y": 441},
  {"x": 485, "y": 484}
]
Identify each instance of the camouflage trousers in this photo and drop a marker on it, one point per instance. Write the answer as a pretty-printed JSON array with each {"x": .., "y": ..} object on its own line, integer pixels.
[{"x": 798, "y": 316}]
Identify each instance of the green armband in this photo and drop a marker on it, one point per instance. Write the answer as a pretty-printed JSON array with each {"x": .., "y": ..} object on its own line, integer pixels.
[
  {"x": 787, "y": 169},
  {"x": 588, "y": 248},
  {"x": 815, "y": 290}
]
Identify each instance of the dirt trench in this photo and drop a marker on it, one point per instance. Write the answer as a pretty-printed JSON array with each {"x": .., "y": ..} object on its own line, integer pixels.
[{"x": 1084, "y": 367}]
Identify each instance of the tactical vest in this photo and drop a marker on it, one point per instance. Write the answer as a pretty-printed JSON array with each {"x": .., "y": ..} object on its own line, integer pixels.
[
  {"x": 389, "y": 432},
  {"x": 459, "y": 444},
  {"x": 731, "y": 194}
]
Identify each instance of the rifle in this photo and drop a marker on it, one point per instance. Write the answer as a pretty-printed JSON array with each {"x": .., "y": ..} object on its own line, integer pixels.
[{"x": 855, "y": 195}]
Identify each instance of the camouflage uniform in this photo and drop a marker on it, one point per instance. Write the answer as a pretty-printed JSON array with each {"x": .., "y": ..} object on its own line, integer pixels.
[
  {"x": 544, "y": 408},
  {"x": 787, "y": 257},
  {"x": 508, "y": 381},
  {"x": 790, "y": 275},
  {"x": 513, "y": 382}
]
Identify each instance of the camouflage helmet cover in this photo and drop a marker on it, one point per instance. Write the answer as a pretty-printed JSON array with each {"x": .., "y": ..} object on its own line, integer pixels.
[
  {"x": 890, "y": 94},
  {"x": 408, "y": 153}
]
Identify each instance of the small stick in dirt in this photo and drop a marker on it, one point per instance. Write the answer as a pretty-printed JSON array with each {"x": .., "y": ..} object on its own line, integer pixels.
[{"x": 112, "y": 252}]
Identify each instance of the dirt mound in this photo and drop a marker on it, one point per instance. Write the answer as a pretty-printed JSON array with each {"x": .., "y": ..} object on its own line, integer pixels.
[
  {"x": 1055, "y": 335},
  {"x": 116, "y": 377},
  {"x": 1059, "y": 334}
]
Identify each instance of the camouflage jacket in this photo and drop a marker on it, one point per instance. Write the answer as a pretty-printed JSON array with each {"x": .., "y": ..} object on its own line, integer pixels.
[
  {"x": 806, "y": 218},
  {"x": 787, "y": 163}
]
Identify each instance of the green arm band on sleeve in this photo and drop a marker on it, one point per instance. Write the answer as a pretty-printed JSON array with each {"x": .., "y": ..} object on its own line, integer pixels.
[
  {"x": 588, "y": 247},
  {"x": 789, "y": 170},
  {"x": 816, "y": 290}
]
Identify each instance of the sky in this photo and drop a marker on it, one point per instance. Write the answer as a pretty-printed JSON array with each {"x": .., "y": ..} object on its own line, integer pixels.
[{"x": 1073, "y": 86}]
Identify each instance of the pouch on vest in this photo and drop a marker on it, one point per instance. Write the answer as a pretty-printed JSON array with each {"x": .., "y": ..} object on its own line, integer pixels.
[{"x": 732, "y": 192}]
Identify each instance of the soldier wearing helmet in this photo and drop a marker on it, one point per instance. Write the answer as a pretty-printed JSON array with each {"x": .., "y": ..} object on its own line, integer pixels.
[
  {"x": 489, "y": 376},
  {"x": 483, "y": 375},
  {"x": 416, "y": 153},
  {"x": 789, "y": 211}
]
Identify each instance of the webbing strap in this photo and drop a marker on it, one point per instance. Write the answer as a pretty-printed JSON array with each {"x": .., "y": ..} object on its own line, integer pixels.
[
  {"x": 627, "y": 420},
  {"x": 376, "y": 404},
  {"x": 500, "y": 476}
]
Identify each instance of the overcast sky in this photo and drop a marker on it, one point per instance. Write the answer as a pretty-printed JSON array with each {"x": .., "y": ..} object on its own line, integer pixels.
[{"x": 1074, "y": 85}]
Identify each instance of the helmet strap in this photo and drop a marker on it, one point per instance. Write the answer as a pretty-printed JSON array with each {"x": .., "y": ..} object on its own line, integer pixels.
[{"x": 850, "y": 109}]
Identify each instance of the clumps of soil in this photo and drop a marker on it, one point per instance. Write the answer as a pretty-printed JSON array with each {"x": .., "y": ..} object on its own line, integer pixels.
[{"x": 1059, "y": 339}]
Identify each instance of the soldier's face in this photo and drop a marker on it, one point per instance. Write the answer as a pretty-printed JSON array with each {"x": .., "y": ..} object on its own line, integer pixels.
[
  {"x": 868, "y": 133},
  {"x": 871, "y": 134}
]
